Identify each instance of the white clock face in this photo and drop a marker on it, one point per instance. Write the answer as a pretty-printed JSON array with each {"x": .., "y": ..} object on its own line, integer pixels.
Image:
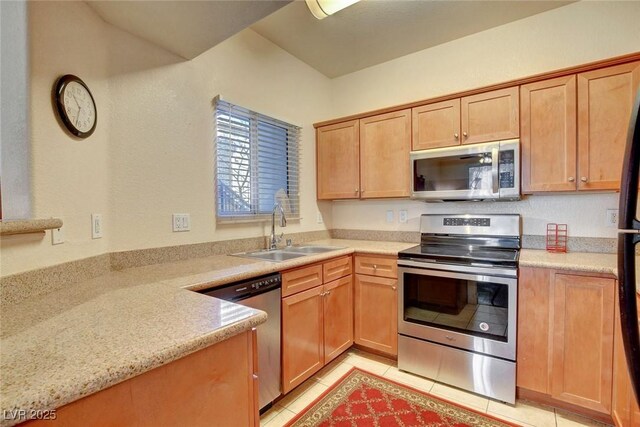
[{"x": 79, "y": 106}]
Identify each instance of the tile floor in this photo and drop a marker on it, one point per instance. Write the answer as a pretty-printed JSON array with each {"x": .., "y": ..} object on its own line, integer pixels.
[{"x": 524, "y": 413}]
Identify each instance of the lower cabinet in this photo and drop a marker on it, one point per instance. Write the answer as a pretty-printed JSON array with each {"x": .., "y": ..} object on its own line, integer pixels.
[
  {"x": 317, "y": 324},
  {"x": 213, "y": 386},
  {"x": 625, "y": 409},
  {"x": 376, "y": 304},
  {"x": 565, "y": 337}
]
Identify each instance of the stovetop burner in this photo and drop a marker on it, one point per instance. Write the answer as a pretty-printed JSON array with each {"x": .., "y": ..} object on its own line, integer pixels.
[{"x": 467, "y": 239}]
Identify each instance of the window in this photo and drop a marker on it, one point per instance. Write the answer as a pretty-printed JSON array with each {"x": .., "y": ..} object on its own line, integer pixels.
[{"x": 257, "y": 164}]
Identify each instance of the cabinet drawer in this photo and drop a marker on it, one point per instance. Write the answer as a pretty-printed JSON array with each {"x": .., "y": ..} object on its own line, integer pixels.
[
  {"x": 377, "y": 266},
  {"x": 337, "y": 268},
  {"x": 301, "y": 279}
]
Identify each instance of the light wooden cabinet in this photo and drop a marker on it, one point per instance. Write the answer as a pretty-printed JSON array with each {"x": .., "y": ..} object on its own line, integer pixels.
[
  {"x": 436, "y": 125},
  {"x": 490, "y": 116},
  {"x": 366, "y": 158},
  {"x": 213, "y": 386},
  {"x": 548, "y": 137},
  {"x": 565, "y": 337},
  {"x": 302, "y": 337},
  {"x": 376, "y": 309},
  {"x": 385, "y": 142},
  {"x": 301, "y": 279},
  {"x": 338, "y": 317},
  {"x": 582, "y": 365},
  {"x": 534, "y": 335},
  {"x": 605, "y": 100},
  {"x": 317, "y": 322},
  {"x": 338, "y": 161},
  {"x": 625, "y": 410}
]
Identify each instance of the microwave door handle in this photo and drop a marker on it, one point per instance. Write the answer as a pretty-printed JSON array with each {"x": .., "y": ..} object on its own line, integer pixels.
[{"x": 494, "y": 170}]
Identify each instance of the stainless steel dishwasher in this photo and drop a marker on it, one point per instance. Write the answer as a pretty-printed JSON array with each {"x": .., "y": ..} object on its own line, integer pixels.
[{"x": 262, "y": 293}]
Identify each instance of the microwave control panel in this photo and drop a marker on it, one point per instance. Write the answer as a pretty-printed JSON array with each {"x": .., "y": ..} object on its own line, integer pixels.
[{"x": 506, "y": 168}]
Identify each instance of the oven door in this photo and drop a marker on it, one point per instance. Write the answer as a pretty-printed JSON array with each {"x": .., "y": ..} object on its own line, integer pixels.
[{"x": 475, "y": 312}]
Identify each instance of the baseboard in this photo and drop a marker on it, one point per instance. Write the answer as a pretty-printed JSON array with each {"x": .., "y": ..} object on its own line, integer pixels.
[{"x": 545, "y": 399}]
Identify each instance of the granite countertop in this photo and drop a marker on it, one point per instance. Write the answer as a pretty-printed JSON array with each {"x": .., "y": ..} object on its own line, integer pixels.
[
  {"x": 59, "y": 347},
  {"x": 67, "y": 344}
]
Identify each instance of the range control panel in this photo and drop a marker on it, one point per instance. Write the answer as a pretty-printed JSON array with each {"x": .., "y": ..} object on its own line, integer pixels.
[{"x": 461, "y": 222}]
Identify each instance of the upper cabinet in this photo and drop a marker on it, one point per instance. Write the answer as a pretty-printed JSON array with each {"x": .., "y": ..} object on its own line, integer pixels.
[
  {"x": 548, "y": 135},
  {"x": 574, "y": 129},
  {"x": 366, "y": 158},
  {"x": 385, "y": 142},
  {"x": 605, "y": 100},
  {"x": 490, "y": 116},
  {"x": 338, "y": 161},
  {"x": 436, "y": 125}
]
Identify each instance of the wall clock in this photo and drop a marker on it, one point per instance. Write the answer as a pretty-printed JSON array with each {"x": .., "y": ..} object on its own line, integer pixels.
[{"x": 75, "y": 106}]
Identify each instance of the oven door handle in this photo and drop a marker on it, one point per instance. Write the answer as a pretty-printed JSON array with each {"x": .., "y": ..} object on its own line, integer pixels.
[
  {"x": 456, "y": 271},
  {"x": 455, "y": 275}
]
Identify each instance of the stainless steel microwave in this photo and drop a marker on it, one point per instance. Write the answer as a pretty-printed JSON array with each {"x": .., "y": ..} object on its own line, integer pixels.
[{"x": 489, "y": 171}]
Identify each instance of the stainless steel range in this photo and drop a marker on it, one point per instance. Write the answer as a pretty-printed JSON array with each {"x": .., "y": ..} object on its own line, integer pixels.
[{"x": 457, "y": 303}]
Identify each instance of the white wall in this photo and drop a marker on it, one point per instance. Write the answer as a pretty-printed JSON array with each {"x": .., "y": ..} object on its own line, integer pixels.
[
  {"x": 571, "y": 35},
  {"x": 152, "y": 152}
]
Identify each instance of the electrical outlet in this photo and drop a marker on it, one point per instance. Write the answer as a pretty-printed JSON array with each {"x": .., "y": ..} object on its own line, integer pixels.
[
  {"x": 403, "y": 216},
  {"x": 612, "y": 218},
  {"x": 96, "y": 226},
  {"x": 57, "y": 236},
  {"x": 181, "y": 222},
  {"x": 319, "y": 219},
  {"x": 390, "y": 216}
]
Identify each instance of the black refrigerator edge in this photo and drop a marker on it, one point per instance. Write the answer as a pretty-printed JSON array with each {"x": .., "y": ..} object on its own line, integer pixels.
[{"x": 628, "y": 238}]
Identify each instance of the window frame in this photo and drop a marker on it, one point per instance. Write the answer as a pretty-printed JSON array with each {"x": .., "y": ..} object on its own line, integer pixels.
[{"x": 292, "y": 147}]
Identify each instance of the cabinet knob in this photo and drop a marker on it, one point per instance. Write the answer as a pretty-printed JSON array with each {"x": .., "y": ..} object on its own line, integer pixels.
[
  {"x": 584, "y": 179},
  {"x": 455, "y": 135},
  {"x": 357, "y": 191},
  {"x": 375, "y": 266},
  {"x": 465, "y": 134},
  {"x": 571, "y": 179},
  {"x": 394, "y": 287}
]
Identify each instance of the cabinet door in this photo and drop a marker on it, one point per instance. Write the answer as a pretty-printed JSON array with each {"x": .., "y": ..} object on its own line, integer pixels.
[
  {"x": 534, "y": 335},
  {"x": 338, "y": 317},
  {"x": 436, "y": 125},
  {"x": 490, "y": 116},
  {"x": 337, "y": 161},
  {"x": 605, "y": 99},
  {"x": 376, "y": 313},
  {"x": 622, "y": 393},
  {"x": 385, "y": 142},
  {"x": 548, "y": 135},
  {"x": 582, "y": 364},
  {"x": 302, "y": 337}
]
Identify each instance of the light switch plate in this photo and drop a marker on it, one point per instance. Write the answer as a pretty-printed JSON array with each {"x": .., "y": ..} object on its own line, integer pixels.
[
  {"x": 403, "y": 216},
  {"x": 57, "y": 236},
  {"x": 96, "y": 226}
]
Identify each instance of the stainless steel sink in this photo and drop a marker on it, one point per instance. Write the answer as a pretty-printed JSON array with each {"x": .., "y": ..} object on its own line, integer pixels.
[
  {"x": 311, "y": 249},
  {"x": 290, "y": 252},
  {"x": 275, "y": 255}
]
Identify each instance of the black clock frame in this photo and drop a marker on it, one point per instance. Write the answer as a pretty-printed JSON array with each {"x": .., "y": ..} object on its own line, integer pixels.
[{"x": 59, "y": 87}]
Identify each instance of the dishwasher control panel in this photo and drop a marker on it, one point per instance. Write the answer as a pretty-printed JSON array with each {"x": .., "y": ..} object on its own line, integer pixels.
[{"x": 245, "y": 289}]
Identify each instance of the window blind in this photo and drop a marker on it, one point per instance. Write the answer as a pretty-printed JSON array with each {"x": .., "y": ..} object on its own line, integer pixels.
[{"x": 257, "y": 164}]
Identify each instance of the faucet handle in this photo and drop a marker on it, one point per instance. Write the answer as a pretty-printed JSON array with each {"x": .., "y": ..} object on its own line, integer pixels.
[
  {"x": 279, "y": 238},
  {"x": 289, "y": 242}
]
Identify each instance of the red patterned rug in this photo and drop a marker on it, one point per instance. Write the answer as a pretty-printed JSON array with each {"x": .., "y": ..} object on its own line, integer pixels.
[{"x": 362, "y": 399}]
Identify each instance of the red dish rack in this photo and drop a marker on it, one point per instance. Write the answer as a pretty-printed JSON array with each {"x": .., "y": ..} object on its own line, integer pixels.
[{"x": 557, "y": 238}]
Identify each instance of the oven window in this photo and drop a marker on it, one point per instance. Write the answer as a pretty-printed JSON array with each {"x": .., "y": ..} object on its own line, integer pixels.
[
  {"x": 467, "y": 306},
  {"x": 470, "y": 172}
]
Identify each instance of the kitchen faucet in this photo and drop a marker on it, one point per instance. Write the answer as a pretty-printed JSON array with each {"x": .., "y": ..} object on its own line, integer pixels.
[{"x": 273, "y": 239}]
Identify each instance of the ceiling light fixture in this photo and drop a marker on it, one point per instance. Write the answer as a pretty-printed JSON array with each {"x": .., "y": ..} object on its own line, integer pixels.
[{"x": 323, "y": 8}]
